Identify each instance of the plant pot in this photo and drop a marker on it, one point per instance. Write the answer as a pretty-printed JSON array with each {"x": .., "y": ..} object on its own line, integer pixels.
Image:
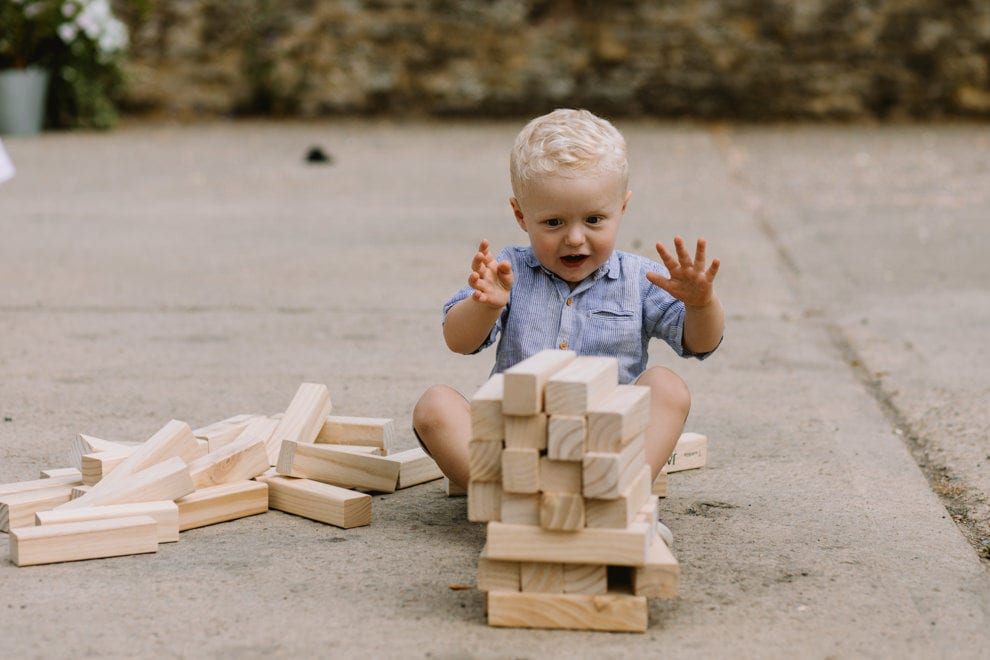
[{"x": 22, "y": 100}]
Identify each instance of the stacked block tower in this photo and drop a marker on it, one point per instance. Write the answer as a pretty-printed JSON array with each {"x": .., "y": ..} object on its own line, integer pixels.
[{"x": 559, "y": 474}]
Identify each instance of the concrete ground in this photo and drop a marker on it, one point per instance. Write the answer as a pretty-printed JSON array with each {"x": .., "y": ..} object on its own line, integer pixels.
[{"x": 161, "y": 272}]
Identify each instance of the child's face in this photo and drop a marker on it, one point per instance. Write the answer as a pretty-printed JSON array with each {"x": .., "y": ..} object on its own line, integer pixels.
[{"x": 572, "y": 222}]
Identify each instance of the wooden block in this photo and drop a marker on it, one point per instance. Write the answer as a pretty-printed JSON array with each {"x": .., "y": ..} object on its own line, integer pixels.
[
  {"x": 165, "y": 513},
  {"x": 590, "y": 579},
  {"x": 357, "y": 449},
  {"x": 520, "y": 509},
  {"x": 690, "y": 452},
  {"x": 366, "y": 431},
  {"x": 521, "y": 470},
  {"x": 37, "y": 484},
  {"x": 525, "y": 381},
  {"x": 562, "y": 511},
  {"x": 168, "y": 480},
  {"x": 541, "y": 577},
  {"x": 495, "y": 575},
  {"x": 319, "y": 501},
  {"x": 660, "y": 575},
  {"x": 484, "y": 500},
  {"x": 487, "y": 418},
  {"x": 95, "y": 467},
  {"x": 622, "y": 547},
  {"x": 619, "y": 512},
  {"x": 415, "y": 467},
  {"x": 526, "y": 431},
  {"x": 581, "y": 385},
  {"x": 452, "y": 489},
  {"x": 560, "y": 476},
  {"x": 87, "y": 444},
  {"x": 485, "y": 459},
  {"x": 606, "y": 476},
  {"x": 607, "y": 612},
  {"x": 303, "y": 419},
  {"x": 259, "y": 428},
  {"x": 235, "y": 461},
  {"x": 618, "y": 418},
  {"x": 566, "y": 437},
  {"x": 340, "y": 468},
  {"x": 175, "y": 439},
  {"x": 223, "y": 432},
  {"x": 18, "y": 509},
  {"x": 79, "y": 491},
  {"x": 59, "y": 473},
  {"x": 216, "y": 504},
  {"x": 660, "y": 485},
  {"x": 91, "y": 539}
]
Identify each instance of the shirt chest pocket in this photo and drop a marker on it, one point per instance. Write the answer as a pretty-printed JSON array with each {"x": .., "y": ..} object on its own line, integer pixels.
[{"x": 611, "y": 331}]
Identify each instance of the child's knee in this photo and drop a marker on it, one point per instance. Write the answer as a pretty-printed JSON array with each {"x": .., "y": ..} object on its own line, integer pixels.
[
  {"x": 433, "y": 407},
  {"x": 668, "y": 388}
]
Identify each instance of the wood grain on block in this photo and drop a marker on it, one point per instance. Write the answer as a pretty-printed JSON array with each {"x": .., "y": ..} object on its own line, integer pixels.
[
  {"x": 223, "y": 432},
  {"x": 175, "y": 439},
  {"x": 487, "y": 418},
  {"x": 521, "y": 470},
  {"x": 621, "y": 547},
  {"x": 607, "y": 475},
  {"x": 618, "y": 418},
  {"x": 660, "y": 485},
  {"x": 590, "y": 579},
  {"x": 60, "y": 473},
  {"x": 581, "y": 385},
  {"x": 318, "y": 501},
  {"x": 526, "y": 431},
  {"x": 18, "y": 509},
  {"x": 87, "y": 444},
  {"x": 484, "y": 500},
  {"x": 367, "y": 431},
  {"x": 259, "y": 428},
  {"x": 79, "y": 491},
  {"x": 415, "y": 467},
  {"x": 495, "y": 575},
  {"x": 560, "y": 476},
  {"x": 216, "y": 504},
  {"x": 659, "y": 577},
  {"x": 165, "y": 513},
  {"x": 566, "y": 437},
  {"x": 37, "y": 484},
  {"x": 485, "y": 459},
  {"x": 303, "y": 419},
  {"x": 690, "y": 452},
  {"x": 562, "y": 511},
  {"x": 168, "y": 480},
  {"x": 95, "y": 467},
  {"x": 520, "y": 509},
  {"x": 91, "y": 539},
  {"x": 541, "y": 577},
  {"x": 340, "y": 468},
  {"x": 357, "y": 449},
  {"x": 619, "y": 512},
  {"x": 235, "y": 461},
  {"x": 525, "y": 381},
  {"x": 607, "y": 612}
]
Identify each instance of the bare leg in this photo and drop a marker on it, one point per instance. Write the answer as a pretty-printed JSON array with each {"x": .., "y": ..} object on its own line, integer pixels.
[
  {"x": 442, "y": 418},
  {"x": 670, "y": 401}
]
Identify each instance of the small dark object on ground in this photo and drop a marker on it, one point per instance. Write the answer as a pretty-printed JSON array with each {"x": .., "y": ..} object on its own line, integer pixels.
[{"x": 318, "y": 155}]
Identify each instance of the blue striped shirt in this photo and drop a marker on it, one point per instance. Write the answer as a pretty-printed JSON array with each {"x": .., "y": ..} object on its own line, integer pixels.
[{"x": 614, "y": 312}]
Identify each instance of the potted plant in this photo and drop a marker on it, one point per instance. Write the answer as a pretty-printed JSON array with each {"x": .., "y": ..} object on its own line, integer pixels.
[{"x": 71, "y": 49}]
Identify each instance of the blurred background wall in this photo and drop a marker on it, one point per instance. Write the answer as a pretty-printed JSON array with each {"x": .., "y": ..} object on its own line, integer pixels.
[{"x": 745, "y": 59}]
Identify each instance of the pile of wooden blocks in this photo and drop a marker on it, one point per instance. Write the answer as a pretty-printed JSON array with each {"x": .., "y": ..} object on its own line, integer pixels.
[
  {"x": 559, "y": 474},
  {"x": 119, "y": 499}
]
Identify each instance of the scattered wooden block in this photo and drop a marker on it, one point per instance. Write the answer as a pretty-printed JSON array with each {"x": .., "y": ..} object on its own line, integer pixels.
[
  {"x": 690, "y": 452},
  {"x": 79, "y": 491},
  {"x": 526, "y": 431},
  {"x": 165, "y": 513},
  {"x": 168, "y": 480},
  {"x": 234, "y": 461},
  {"x": 560, "y": 476},
  {"x": 87, "y": 444},
  {"x": 357, "y": 449},
  {"x": 521, "y": 470},
  {"x": 58, "y": 473},
  {"x": 485, "y": 459},
  {"x": 619, "y": 512},
  {"x": 415, "y": 467},
  {"x": 520, "y": 509},
  {"x": 36, "y": 484},
  {"x": 659, "y": 577},
  {"x": 525, "y": 381},
  {"x": 223, "y": 432},
  {"x": 452, "y": 489},
  {"x": 607, "y": 475},
  {"x": 95, "y": 467},
  {"x": 91, "y": 539},
  {"x": 303, "y": 419},
  {"x": 607, "y": 612},
  {"x": 566, "y": 437},
  {"x": 659, "y": 487},
  {"x": 175, "y": 439},
  {"x": 618, "y": 418},
  {"x": 487, "y": 418},
  {"x": 484, "y": 500},
  {"x": 18, "y": 509},
  {"x": 561, "y": 511},
  {"x": 216, "y": 504},
  {"x": 581, "y": 385},
  {"x": 318, "y": 501},
  {"x": 340, "y": 468},
  {"x": 495, "y": 575},
  {"x": 367, "y": 431},
  {"x": 621, "y": 547},
  {"x": 541, "y": 577},
  {"x": 589, "y": 579}
]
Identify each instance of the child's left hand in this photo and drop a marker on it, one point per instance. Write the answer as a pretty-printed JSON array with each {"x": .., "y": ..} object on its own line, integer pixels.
[{"x": 690, "y": 280}]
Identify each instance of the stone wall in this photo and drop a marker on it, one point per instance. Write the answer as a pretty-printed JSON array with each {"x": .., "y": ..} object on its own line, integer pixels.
[{"x": 747, "y": 59}]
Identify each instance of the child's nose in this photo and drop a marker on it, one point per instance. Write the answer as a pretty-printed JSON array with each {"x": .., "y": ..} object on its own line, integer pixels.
[{"x": 574, "y": 237}]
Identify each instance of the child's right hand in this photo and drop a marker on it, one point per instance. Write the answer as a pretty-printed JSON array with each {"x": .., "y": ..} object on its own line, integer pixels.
[{"x": 490, "y": 279}]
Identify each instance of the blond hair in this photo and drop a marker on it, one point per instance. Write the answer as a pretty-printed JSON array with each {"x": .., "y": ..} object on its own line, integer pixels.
[{"x": 567, "y": 143}]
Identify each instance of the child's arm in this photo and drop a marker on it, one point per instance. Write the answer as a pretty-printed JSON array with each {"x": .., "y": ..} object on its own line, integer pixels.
[
  {"x": 469, "y": 322},
  {"x": 691, "y": 282}
]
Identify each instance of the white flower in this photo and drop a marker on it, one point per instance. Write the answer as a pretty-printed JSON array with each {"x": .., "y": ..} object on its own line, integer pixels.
[{"x": 67, "y": 32}]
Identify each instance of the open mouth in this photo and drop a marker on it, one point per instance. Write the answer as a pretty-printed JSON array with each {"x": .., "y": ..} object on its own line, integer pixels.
[{"x": 574, "y": 260}]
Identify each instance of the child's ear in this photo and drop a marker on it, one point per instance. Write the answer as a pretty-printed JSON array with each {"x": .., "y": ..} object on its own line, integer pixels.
[
  {"x": 626, "y": 200},
  {"x": 517, "y": 211}
]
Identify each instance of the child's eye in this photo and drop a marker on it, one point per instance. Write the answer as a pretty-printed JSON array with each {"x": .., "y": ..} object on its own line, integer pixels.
[
  {"x": 594, "y": 219},
  {"x": 553, "y": 222}
]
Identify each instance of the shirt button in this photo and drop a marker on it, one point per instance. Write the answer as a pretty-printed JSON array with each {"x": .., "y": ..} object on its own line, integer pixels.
[
  {"x": 563, "y": 345},
  {"x": 570, "y": 301}
]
